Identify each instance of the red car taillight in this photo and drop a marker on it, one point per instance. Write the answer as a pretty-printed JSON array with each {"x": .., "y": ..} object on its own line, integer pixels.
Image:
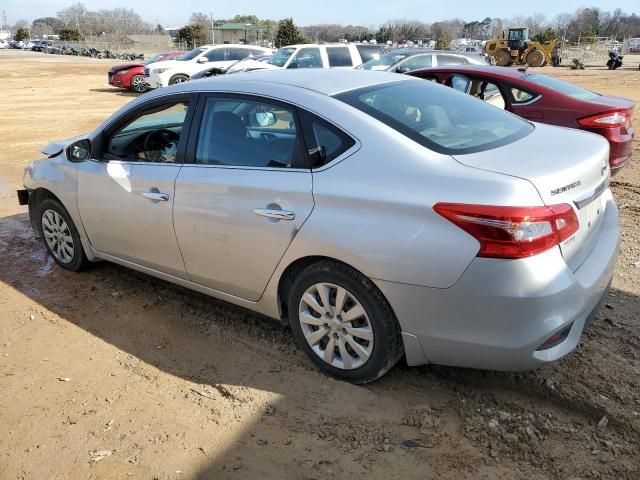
[
  {"x": 512, "y": 232},
  {"x": 606, "y": 120}
]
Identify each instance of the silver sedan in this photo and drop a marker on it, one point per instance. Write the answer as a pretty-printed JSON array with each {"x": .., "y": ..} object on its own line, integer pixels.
[{"x": 380, "y": 216}]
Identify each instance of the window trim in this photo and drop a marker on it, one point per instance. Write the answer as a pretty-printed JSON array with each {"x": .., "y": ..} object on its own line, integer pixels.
[
  {"x": 98, "y": 144},
  {"x": 189, "y": 158}
]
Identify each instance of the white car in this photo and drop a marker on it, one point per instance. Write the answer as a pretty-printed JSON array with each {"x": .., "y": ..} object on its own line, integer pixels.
[
  {"x": 337, "y": 55},
  {"x": 170, "y": 72}
]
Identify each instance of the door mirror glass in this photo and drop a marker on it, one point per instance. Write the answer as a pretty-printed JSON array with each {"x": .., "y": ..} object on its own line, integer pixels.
[{"x": 79, "y": 151}]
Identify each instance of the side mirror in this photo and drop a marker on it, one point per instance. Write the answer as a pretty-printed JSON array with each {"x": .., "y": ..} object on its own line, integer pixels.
[
  {"x": 403, "y": 69},
  {"x": 202, "y": 60},
  {"x": 79, "y": 151}
]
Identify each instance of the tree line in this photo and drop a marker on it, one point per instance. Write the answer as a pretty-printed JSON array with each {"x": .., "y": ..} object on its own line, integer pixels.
[{"x": 76, "y": 22}]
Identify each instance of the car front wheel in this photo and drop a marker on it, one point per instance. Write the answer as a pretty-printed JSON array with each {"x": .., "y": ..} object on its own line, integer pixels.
[
  {"x": 61, "y": 236},
  {"x": 343, "y": 323},
  {"x": 138, "y": 84}
]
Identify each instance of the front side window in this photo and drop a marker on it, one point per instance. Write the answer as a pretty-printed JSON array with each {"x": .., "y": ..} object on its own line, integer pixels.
[
  {"x": 237, "y": 53},
  {"x": 450, "y": 60},
  {"x": 458, "y": 82},
  {"x": 250, "y": 133},
  {"x": 383, "y": 62},
  {"x": 438, "y": 118},
  {"x": 308, "y": 57},
  {"x": 152, "y": 136},
  {"x": 339, "y": 57}
]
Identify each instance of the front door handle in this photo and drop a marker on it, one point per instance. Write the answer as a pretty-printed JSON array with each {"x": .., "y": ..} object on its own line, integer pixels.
[
  {"x": 158, "y": 196},
  {"x": 273, "y": 213}
]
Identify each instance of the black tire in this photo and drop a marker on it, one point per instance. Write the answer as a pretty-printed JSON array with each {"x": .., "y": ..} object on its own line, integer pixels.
[
  {"x": 387, "y": 340},
  {"x": 503, "y": 58},
  {"x": 78, "y": 260},
  {"x": 535, "y": 58},
  {"x": 138, "y": 85},
  {"x": 178, "y": 79}
]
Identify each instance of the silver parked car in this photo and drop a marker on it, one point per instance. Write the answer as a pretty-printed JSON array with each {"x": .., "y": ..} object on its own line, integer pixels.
[{"x": 379, "y": 215}]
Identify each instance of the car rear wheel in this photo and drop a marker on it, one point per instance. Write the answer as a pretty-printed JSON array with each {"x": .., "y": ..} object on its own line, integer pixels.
[
  {"x": 138, "y": 84},
  {"x": 343, "y": 323},
  {"x": 61, "y": 237},
  {"x": 178, "y": 79}
]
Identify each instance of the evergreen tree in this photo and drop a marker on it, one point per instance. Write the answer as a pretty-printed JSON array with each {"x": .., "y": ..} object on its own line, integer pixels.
[
  {"x": 288, "y": 34},
  {"x": 21, "y": 34}
]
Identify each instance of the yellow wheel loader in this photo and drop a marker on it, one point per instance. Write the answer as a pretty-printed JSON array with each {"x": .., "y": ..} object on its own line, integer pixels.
[{"x": 518, "y": 49}]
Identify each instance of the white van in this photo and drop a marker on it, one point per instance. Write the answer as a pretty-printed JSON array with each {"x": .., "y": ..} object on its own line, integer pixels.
[
  {"x": 333, "y": 55},
  {"x": 170, "y": 72}
]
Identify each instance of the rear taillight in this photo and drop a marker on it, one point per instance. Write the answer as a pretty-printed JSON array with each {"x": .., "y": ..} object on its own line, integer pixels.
[
  {"x": 512, "y": 232},
  {"x": 606, "y": 120}
]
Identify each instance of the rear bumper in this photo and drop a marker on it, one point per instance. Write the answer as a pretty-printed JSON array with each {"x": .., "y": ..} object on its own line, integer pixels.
[
  {"x": 500, "y": 312},
  {"x": 620, "y": 154}
]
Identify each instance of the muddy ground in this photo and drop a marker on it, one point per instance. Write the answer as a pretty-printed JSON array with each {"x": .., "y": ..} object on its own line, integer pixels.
[{"x": 113, "y": 374}]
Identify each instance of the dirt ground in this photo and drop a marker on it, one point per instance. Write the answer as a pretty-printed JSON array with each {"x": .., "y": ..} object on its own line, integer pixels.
[{"x": 113, "y": 374}]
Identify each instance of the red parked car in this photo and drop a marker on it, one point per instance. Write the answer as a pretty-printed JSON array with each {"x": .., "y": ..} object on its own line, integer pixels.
[
  {"x": 545, "y": 99},
  {"x": 131, "y": 75}
]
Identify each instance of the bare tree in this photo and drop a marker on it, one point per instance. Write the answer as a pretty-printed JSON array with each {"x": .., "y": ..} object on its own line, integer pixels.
[{"x": 199, "y": 17}]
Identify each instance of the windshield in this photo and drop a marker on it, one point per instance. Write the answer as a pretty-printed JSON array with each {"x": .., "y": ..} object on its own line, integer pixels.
[
  {"x": 382, "y": 63},
  {"x": 281, "y": 56},
  {"x": 191, "y": 55},
  {"x": 154, "y": 59},
  {"x": 561, "y": 86},
  {"x": 438, "y": 117}
]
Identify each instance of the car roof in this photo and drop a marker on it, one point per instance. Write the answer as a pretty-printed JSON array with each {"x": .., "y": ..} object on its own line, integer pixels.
[
  {"x": 326, "y": 81},
  {"x": 502, "y": 72}
]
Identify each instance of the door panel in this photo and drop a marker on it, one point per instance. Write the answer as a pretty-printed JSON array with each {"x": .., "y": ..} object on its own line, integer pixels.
[
  {"x": 121, "y": 221},
  {"x": 225, "y": 244}
]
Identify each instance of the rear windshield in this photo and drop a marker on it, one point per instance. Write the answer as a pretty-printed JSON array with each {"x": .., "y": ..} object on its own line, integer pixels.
[
  {"x": 438, "y": 117},
  {"x": 191, "y": 55},
  {"x": 382, "y": 63},
  {"x": 369, "y": 52},
  {"x": 561, "y": 86}
]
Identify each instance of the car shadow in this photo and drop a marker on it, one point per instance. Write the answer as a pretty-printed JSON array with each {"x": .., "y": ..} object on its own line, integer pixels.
[
  {"x": 223, "y": 351},
  {"x": 118, "y": 91}
]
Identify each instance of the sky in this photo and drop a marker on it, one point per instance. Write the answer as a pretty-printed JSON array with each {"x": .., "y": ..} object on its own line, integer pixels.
[{"x": 355, "y": 12}]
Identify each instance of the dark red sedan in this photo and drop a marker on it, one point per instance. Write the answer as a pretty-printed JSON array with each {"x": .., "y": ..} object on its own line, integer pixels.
[
  {"x": 545, "y": 99},
  {"x": 131, "y": 75}
]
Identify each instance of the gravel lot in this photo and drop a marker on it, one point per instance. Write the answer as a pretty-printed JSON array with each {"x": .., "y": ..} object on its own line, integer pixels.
[{"x": 112, "y": 374}]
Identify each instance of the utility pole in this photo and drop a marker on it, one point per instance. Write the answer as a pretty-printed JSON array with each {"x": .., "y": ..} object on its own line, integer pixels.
[
  {"x": 211, "y": 18},
  {"x": 4, "y": 20}
]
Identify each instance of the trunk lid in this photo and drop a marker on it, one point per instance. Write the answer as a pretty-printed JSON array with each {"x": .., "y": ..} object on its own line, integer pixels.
[
  {"x": 602, "y": 103},
  {"x": 566, "y": 166}
]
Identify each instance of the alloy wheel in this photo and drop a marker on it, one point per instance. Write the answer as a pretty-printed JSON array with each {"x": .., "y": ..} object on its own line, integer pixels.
[
  {"x": 58, "y": 236},
  {"x": 138, "y": 84},
  {"x": 336, "y": 326}
]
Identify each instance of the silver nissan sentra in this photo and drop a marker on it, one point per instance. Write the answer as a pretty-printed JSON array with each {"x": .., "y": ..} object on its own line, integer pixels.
[{"x": 380, "y": 216}]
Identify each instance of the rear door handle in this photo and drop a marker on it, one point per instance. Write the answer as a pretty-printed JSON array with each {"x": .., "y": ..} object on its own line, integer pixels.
[
  {"x": 157, "y": 196},
  {"x": 277, "y": 214}
]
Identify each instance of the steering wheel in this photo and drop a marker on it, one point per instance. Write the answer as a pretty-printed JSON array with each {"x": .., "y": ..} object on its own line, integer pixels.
[{"x": 161, "y": 139}]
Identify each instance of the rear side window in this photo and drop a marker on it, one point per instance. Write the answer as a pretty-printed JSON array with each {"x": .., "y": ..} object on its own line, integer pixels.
[
  {"x": 437, "y": 117},
  {"x": 324, "y": 141},
  {"x": 339, "y": 57},
  {"x": 369, "y": 52},
  {"x": 519, "y": 95},
  {"x": 216, "y": 55}
]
